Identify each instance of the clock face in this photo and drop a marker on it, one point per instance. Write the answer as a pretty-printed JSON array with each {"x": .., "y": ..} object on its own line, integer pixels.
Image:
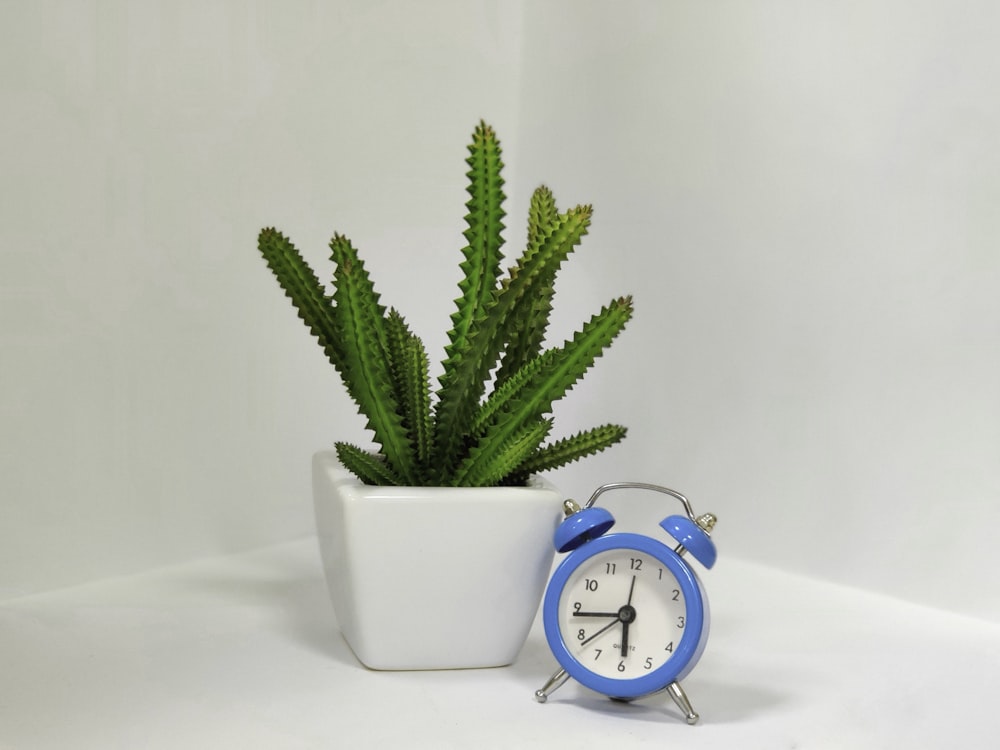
[{"x": 622, "y": 613}]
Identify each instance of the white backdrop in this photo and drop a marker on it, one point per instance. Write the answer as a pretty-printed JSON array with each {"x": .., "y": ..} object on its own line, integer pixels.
[
  {"x": 801, "y": 197},
  {"x": 160, "y": 399}
]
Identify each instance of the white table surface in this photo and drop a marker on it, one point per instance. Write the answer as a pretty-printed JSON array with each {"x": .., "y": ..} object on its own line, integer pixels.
[{"x": 243, "y": 652}]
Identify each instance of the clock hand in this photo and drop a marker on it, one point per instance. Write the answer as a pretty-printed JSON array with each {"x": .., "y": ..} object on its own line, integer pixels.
[
  {"x": 599, "y": 632},
  {"x": 627, "y": 614},
  {"x": 607, "y": 614}
]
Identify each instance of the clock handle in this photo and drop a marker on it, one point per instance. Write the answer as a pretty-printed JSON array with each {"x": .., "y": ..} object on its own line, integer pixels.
[
  {"x": 693, "y": 533},
  {"x": 642, "y": 486}
]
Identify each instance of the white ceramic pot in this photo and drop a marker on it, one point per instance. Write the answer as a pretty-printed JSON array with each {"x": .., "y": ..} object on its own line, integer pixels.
[{"x": 433, "y": 577}]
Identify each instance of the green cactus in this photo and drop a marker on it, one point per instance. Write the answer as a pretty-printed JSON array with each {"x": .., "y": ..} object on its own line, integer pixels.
[{"x": 462, "y": 435}]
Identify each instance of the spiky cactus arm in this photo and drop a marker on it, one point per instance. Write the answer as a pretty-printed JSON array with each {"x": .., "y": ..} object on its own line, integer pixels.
[
  {"x": 542, "y": 214},
  {"x": 361, "y": 329},
  {"x": 569, "y": 449},
  {"x": 547, "y": 378},
  {"x": 502, "y": 396},
  {"x": 481, "y": 269},
  {"x": 530, "y": 280},
  {"x": 483, "y": 235},
  {"x": 489, "y": 463},
  {"x": 549, "y": 381},
  {"x": 526, "y": 341},
  {"x": 410, "y": 372},
  {"x": 470, "y": 373},
  {"x": 303, "y": 288},
  {"x": 369, "y": 468}
]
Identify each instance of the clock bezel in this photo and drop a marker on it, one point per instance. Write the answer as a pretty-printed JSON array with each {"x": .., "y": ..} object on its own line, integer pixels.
[{"x": 688, "y": 649}]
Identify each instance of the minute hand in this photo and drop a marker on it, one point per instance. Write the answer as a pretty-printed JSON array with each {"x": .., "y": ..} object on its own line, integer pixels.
[{"x": 595, "y": 614}]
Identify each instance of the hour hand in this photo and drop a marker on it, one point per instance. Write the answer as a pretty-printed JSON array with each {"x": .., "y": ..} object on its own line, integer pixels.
[{"x": 595, "y": 614}]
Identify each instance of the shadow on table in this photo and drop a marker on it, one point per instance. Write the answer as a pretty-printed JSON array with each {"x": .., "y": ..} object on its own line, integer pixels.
[
  {"x": 306, "y": 615},
  {"x": 717, "y": 702}
]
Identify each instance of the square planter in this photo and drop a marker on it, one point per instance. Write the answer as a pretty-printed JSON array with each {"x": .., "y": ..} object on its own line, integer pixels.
[{"x": 433, "y": 577}]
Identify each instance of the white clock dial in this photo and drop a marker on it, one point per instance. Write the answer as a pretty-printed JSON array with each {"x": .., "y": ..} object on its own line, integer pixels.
[{"x": 622, "y": 614}]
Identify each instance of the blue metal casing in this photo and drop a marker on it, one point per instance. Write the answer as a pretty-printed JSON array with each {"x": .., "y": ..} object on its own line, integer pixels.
[
  {"x": 692, "y": 537},
  {"x": 581, "y": 527},
  {"x": 689, "y": 648}
]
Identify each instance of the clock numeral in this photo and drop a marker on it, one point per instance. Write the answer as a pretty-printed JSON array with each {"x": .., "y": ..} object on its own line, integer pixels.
[
  {"x": 621, "y": 666},
  {"x": 598, "y": 654},
  {"x": 590, "y": 584},
  {"x": 636, "y": 563},
  {"x": 676, "y": 595},
  {"x": 609, "y": 568},
  {"x": 576, "y": 606},
  {"x": 649, "y": 663},
  {"x": 581, "y": 635},
  {"x": 680, "y": 621},
  {"x": 670, "y": 647}
]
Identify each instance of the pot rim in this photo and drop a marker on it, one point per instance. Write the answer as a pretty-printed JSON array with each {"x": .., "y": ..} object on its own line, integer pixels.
[{"x": 536, "y": 484}]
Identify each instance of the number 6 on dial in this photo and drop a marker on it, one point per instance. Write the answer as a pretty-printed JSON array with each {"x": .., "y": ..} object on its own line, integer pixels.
[{"x": 625, "y": 614}]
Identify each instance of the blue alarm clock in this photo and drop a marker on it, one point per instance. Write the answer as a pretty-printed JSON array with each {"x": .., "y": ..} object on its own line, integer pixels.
[{"x": 625, "y": 614}]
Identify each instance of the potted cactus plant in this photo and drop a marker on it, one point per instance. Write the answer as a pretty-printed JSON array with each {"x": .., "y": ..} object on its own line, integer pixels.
[{"x": 449, "y": 509}]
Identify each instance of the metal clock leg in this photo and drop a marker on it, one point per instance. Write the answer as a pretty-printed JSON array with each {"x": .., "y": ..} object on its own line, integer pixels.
[
  {"x": 555, "y": 682},
  {"x": 681, "y": 699}
]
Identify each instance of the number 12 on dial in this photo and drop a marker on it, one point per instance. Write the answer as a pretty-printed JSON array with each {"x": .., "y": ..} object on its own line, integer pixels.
[{"x": 625, "y": 614}]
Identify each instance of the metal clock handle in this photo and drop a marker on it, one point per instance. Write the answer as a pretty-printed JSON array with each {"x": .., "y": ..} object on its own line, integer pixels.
[
  {"x": 642, "y": 486},
  {"x": 706, "y": 522}
]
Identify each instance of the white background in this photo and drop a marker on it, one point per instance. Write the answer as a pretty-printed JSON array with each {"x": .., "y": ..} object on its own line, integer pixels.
[{"x": 801, "y": 196}]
